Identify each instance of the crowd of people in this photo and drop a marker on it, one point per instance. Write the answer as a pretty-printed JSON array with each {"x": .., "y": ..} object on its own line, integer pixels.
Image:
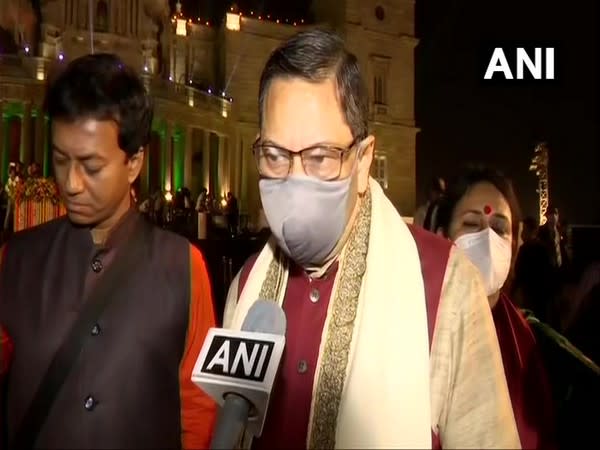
[
  {"x": 180, "y": 212},
  {"x": 397, "y": 336}
]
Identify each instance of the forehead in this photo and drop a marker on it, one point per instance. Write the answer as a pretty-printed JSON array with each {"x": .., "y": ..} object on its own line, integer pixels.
[
  {"x": 85, "y": 136},
  {"x": 299, "y": 113},
  {"x": 481, "y": 195}
]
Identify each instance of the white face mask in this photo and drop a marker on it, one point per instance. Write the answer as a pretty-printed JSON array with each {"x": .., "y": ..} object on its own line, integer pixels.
[{"x": 491, "y": 254}]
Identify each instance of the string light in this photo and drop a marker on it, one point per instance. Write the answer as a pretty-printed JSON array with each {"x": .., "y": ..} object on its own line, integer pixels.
[
  {"x": 179, "y": 15},
  {"x": 261, "y": 17}
]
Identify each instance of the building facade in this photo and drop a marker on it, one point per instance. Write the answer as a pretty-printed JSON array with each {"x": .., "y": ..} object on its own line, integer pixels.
[{"x": 204, "y": 81}]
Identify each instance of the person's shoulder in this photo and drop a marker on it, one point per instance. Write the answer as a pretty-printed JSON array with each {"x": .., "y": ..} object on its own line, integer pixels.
[
  {"x": 39, "y": 235},
  {"x": 430, "y": 245},
  {"x": 165, "y": 237}
]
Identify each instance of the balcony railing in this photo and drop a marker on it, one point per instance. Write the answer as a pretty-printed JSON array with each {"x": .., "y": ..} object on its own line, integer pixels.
[
  {"x": 26, "y": 69},
  {"x": 188, "y": 95},
  {"x": 33, "y": 70}
]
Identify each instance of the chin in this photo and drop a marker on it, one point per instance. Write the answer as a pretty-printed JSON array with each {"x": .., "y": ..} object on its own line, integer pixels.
[{"x": 80, "y": 219}]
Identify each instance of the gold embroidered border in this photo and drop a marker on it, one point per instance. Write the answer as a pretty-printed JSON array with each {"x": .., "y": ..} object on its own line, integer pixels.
[
  {"x": 334, "y": 361},
  {"x": 272, "y": 285}
]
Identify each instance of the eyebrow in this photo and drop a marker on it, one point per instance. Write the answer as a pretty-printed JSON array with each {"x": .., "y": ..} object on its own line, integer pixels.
[{"x": 479, "y": 213}]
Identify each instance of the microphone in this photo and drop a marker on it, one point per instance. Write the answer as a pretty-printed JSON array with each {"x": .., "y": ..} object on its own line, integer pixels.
[{"x": 238, "y": 368}]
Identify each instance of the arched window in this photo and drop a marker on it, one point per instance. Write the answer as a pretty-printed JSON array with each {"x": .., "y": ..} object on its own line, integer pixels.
[{"x": 101, "y": 19}]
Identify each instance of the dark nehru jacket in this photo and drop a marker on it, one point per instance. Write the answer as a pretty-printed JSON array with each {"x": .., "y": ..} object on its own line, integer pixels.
[{"x": 131, "y": 386}]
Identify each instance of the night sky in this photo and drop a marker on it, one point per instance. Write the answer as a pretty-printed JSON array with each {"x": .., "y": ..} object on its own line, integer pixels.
[{"x": 466, "y": 120}]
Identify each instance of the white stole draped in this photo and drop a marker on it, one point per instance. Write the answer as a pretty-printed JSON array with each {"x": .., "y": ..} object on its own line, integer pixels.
[{"x": 386, "y": 398}]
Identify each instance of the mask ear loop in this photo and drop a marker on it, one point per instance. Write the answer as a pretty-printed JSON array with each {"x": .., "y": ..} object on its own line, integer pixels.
[{"x": 359, "y": 154}]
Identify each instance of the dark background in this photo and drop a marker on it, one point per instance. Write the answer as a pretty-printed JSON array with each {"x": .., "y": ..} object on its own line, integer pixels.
[{"x": 463, "y": 118}]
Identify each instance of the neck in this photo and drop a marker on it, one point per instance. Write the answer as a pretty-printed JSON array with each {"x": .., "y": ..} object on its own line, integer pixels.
[
  {"x": 493, "y": 299},
  {"x": 101, "y": 232}
]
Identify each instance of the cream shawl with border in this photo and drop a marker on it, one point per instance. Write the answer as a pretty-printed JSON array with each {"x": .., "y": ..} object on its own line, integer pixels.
[{"x": 384, "y": 396}]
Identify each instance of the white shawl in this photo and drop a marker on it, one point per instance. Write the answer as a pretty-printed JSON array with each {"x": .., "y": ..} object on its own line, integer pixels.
[{"x": 386, "y": 397}]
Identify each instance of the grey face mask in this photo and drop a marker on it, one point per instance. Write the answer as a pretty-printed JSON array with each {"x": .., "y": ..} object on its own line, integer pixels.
[{"x": 307, "y": 216}]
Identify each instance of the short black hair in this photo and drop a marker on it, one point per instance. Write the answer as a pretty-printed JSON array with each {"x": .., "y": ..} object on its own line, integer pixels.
[
  {"x": 460, "y": 184},
  {"x": 102, "y": 87},
  {"x": 316, "y": 55}
]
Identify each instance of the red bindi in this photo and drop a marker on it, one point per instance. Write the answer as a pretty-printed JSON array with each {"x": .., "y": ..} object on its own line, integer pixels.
[{"x": 487, "y": 209}]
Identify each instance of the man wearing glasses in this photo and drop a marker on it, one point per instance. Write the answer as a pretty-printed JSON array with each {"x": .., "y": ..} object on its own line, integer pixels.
[{"x": 390, "y": 340}]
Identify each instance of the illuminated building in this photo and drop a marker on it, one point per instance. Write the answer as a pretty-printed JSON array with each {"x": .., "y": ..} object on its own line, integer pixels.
[{"x": 204, "y": 80}]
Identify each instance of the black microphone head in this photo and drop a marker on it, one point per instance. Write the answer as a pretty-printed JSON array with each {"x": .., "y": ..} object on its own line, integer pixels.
[{"x": 265, "y": 316}]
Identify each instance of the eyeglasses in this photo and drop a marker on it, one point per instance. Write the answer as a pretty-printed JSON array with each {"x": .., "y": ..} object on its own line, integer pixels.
[{"x": 320, "y": 161}]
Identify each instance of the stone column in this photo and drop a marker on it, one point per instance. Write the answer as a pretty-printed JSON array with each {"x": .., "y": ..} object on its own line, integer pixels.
[
  {"x": 47, "y": 158},
  {"x": 25, "y": 149},
  {"x": 223, "y": 166},
  {"x": 3, "y": 138},
  {"x": 145, "y": 174},
  {"x": 237, "y": 149},
  {"x": 187, "y": 158},
  {"x": 206, "y": 159},
  {"x": 168, "y": 157},
  {"x": 40, "y": 136}
]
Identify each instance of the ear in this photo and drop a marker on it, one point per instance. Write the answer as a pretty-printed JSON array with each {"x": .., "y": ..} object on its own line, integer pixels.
[
  {"x": 364, "y": 163},
  {"x": 134, "y": 165}
]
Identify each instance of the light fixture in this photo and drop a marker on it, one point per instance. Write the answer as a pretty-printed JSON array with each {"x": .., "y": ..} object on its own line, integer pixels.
[{"x": 232, "y": 22}]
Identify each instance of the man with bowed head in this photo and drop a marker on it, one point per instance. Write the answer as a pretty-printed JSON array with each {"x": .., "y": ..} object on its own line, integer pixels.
[
  {"x": 390, "y": 341},
  {"x": 143, "y": 292}
]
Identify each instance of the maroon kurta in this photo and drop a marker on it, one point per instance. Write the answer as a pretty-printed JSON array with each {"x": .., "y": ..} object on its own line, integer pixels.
[
  {"x": 305, "y": 304},
  {"x": 526, "y": 377}
]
